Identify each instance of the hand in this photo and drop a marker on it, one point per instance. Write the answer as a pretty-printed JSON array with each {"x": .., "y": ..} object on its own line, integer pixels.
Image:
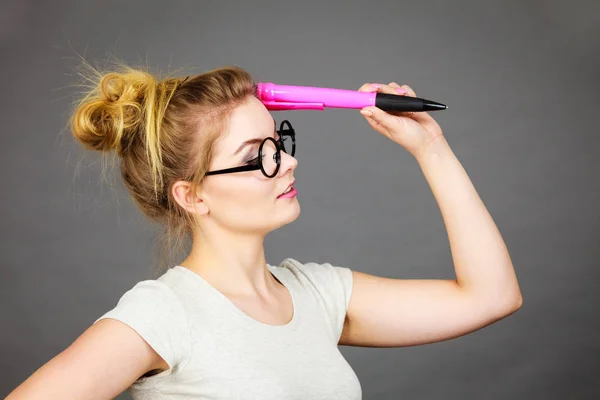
[{"x": 413, "y": 130}]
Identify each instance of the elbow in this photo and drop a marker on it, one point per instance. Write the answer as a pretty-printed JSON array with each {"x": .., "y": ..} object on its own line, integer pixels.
[
  {"x": 519, "y": 302},
  {"x": 508, "y": 300},
  {"x": 509, "y": 305},
  {"x": 517, "y": 298},
  {"x": 501, "y": 303}
]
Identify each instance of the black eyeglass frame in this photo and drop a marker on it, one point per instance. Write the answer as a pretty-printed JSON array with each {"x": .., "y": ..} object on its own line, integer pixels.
[{"x": 277, "y": 156}]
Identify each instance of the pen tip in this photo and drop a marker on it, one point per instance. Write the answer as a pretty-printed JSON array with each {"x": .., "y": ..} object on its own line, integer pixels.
[{"x": 433, "y": 106}]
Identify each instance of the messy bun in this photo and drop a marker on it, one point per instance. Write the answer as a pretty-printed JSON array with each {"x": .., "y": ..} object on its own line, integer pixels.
[
  {"x": 112, "y": 115},
  {"x": 163, "y": 130}
]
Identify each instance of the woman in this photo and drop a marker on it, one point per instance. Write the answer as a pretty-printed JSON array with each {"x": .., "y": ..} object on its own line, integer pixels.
[{"x": 203, "y": 156}]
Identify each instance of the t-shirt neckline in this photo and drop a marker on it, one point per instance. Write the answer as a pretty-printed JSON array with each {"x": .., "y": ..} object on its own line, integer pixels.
[{"x": 237, "y": 310}]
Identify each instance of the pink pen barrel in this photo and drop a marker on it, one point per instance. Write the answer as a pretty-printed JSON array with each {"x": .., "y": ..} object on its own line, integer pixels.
[{"x": 271, "y": 93}]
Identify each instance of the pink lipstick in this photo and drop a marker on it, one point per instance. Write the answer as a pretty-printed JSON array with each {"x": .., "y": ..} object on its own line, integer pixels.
[{"x": 288, "y": 195}]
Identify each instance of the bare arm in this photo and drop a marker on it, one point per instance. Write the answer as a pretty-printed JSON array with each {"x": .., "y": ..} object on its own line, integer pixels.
[{"x": 104, "y": 361}]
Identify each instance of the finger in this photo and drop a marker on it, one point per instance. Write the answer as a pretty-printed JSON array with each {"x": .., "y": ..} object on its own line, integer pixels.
[
  {"x": 369, "y": 87},
  {"x": 388, "y": 90},
  {"x": 422, "y": 116},
  {"x": 392, "y": 88},
  {"x": 399, "y": 89},
  {"x": 380, "y": 88},
  {"x": 409, "y": 90},
  {"x": 380, "y": 118},
  {"x": 377, "y": 126},
  {"x": 395, "y": 88}
]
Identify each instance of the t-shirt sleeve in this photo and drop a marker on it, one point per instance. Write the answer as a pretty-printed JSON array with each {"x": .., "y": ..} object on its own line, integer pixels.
[
  {"x": 153, "y": 310},
  {"x": 333, "y": 286}
]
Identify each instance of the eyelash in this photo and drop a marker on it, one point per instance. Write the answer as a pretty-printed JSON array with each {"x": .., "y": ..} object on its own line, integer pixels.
[{"x": 255, "y": 159}]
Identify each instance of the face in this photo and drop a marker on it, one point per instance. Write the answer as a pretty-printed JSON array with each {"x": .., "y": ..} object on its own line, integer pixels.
[{"x": 247, "y": 201}]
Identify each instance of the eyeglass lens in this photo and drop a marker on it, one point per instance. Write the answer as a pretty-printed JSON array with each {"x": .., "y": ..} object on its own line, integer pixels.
[{"x": 270, "y": 158}]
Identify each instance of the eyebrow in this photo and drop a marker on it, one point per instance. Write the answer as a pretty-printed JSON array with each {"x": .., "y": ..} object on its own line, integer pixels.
[{"x": 253, "y": 141}]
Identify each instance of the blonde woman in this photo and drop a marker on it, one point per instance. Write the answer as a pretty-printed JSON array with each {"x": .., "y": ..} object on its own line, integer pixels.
[{"x": 204, "y": 157}]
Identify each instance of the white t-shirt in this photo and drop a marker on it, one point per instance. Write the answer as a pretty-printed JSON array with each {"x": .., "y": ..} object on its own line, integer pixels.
[{"x": 216, "y": 351}]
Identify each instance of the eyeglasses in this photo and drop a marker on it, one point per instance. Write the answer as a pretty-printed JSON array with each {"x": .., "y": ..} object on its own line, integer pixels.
[{"x": 269, "y": 153}]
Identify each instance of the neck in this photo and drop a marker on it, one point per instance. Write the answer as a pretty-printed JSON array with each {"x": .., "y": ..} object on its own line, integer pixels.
[{"x": 233, "y": 263}]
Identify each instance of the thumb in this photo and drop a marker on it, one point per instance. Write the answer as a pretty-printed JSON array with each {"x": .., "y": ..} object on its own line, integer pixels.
[{"x": 379, "y": 117}]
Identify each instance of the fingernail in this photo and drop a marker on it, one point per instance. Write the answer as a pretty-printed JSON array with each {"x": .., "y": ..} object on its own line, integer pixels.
[
  {"x": 375, "y": 86},
  {"x": 401, "y": 91},
  {"x": 366, "y": 112}
]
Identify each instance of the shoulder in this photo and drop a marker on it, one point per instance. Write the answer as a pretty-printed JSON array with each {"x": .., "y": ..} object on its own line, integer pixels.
[
  {"x": 150, "y": 301},
  {"x": 153, "y": 295},
  {"x": 155, "y": 311},
  {"x": 319, "y": 274}
]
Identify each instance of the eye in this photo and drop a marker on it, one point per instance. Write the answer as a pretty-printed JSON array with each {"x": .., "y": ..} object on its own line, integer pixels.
[{"x": 254, "y": 160}]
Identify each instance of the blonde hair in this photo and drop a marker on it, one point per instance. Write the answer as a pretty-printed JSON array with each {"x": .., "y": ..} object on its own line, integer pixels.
[{"x": 163, "y": 130}]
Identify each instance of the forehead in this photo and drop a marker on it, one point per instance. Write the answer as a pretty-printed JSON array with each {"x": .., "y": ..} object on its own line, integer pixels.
[{"x": 249, "y": 120}]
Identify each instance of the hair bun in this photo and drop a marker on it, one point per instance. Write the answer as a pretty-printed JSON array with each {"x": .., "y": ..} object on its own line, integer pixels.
[{"x": 111, "y": 115}]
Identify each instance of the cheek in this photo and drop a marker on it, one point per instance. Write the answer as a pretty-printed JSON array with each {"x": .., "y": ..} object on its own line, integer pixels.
[
  {"x": 246, "y": 192},
  {"x": 259, "y": 189}
]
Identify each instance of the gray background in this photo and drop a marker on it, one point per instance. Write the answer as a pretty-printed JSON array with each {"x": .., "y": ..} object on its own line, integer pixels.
[{"x": 521, "y": 83}]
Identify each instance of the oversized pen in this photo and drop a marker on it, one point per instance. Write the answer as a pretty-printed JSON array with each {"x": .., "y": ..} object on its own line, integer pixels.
[{"x": 286, "y": 97}]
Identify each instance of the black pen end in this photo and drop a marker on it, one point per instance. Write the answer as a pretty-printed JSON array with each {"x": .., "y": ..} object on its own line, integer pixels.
[{"x": 429, "y": 105}]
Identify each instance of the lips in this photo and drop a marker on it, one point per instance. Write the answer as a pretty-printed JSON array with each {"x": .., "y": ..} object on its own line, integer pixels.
[{"x": 291, "y": 184}]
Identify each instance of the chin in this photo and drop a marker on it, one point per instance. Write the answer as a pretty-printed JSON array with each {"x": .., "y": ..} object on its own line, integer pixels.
[
  {"x": 291, "y": 213},
  {"x": 294, "y": 209}
]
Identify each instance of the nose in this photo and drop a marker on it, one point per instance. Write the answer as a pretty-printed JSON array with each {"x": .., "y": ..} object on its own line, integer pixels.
[{"x": 288, "y": 162}]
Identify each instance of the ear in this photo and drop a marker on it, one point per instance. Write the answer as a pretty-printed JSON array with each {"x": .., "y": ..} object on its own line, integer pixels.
[{"x": 191, "y": 202}]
